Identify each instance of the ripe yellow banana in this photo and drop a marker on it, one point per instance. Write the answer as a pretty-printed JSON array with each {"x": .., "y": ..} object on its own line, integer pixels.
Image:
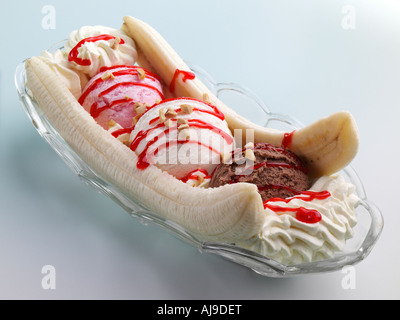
[
  {"x": 231, "y": 213},
  {"x": 227, "y": 214},
  {"x": 325, "y": 146}
]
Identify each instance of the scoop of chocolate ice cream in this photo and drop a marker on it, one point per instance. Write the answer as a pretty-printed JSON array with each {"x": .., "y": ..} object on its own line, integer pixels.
[{"x": 277, "y": 172}]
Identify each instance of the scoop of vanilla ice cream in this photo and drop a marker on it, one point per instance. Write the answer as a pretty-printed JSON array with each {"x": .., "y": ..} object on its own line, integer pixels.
[
  {"x": 119, "y": 50},
  {"x": 180, "y": 136}
]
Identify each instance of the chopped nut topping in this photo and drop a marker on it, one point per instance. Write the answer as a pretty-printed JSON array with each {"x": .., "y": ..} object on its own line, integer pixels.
[
  {"x": 135, "y": 120},
  {"x": 168, "y": 123},
  {"x": 140, "y": 109},
  {"x": 206, "y": 98},
  {"x": 170, "y": 114},
  {"x": 249, "y": 154},
  {"x": 226, "y": 158},
  {"x": 187, "y": 108},
  {"x": 184, "y": 135},
  {"x": 141, "y": 74},
  {"x": 250, "y": 145},
  {"x": 107, "y": 75},
  {"x": 127, "y": 98},
  {"x": 158, "y": 101},
  {"x": 115, "y": 45},
  {"x": 182, "y": 121},
  {"x": 111, "y": 123},
  {"x": 137, "y": 105},
  {"x": 161, "y": 113},
  {"x": 125, "y": 140},
  {"x": 183, "y": 127},
  {"x": 200, "y": 179}
]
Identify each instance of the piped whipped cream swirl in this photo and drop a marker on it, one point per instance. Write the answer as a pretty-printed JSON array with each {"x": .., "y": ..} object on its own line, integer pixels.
[
  {"x": 97, "y": 52},
  {"x": 290, "y": 241},
  {"x": 72, "y": 79}
]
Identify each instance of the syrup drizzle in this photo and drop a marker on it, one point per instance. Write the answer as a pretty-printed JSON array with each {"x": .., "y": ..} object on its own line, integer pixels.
[
  {"x": 128, "y": 70},
  {"x": 215, "y": 111},
  {"x": 195, "y": 176},
  {"x": 287, "y": 139},
  {"x": 143, "y": 162},
  {"x": 309, "y": 216},
  {"x": 73, "y": 55},
  {"x": 187, "y": 75}
]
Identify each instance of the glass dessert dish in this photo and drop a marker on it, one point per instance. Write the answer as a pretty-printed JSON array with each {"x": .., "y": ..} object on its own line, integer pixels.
[{"x": 244, "y": 102}]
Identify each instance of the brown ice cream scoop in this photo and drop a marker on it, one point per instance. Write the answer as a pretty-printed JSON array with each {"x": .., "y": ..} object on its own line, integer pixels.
[{"x": 277, "y": 172}]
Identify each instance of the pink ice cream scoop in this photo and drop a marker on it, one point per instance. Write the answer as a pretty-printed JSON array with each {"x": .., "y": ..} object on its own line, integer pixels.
[{"x": 113, "y": 93}]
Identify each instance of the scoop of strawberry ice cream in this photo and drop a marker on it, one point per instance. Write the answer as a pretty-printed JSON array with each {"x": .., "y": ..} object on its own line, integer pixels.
[{"x": 119, "y": 93}]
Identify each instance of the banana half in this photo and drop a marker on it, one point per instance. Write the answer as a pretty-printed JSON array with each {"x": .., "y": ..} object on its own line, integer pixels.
[{"x": 231, "y": 213}]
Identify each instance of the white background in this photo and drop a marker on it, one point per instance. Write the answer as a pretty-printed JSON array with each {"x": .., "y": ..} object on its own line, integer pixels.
[{"x": 294, "y": 54}]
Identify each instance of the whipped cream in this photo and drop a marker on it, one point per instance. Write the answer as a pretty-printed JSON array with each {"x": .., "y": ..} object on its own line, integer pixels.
[
  {"x": 73, "y": 80},
  {"x": 118, "y": 50},
  {"x": 287, "y": 240}
]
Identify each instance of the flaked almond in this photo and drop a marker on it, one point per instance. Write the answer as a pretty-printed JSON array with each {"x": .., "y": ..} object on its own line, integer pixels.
[
  {"x": 161, "y": 113},
  {"x": 141, "y": 74},
  {"x": 250, "y": 145},
  {"x": 128, "y": 98},
  {"x": 187, "y": 108},
  {"x": 111, "y": 123},
  {"x": 158, "y": 101},
  {"x": 170, "y": 114},
  {"x": 182, "y": 121},
  {"x": 249, "y": 155}
]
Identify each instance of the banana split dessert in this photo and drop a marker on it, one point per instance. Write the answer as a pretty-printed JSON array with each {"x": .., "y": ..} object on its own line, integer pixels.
[{"x": 130, "y": 107}]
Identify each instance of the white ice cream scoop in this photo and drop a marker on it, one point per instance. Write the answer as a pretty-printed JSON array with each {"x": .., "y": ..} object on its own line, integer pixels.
[{"x": 180, "y": 136}]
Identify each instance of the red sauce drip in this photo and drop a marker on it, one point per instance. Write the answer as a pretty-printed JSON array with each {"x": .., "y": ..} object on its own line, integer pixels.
[
  {"x": 302, "y": 167},
  {"x": 187, "y": 75},
  {"x": 95, "y": 112},
  {"x": 305, "y": 196},
  {"x": 120, "y": 132},
  {"x": 197, "y": 123},
  {"x": 215, "y": 111},
  {"x": 143, "y": 162},
  {"x": 247, "y": 171},
  {"x": 276, "y": 186},
  {"x": 132, "y": 71},
  {"x": 130, "y": 83},
  {"x": 73, "y": 55},
  {"x": 193, "y": 123},
  {"x": 309, "y": 216},
  {"x": 193, "y": 176},
  {"x": 287, "y": 140}
]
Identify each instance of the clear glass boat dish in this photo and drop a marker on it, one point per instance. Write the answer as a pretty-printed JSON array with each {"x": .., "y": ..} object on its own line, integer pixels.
[{"x": 242, "y": 100}]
